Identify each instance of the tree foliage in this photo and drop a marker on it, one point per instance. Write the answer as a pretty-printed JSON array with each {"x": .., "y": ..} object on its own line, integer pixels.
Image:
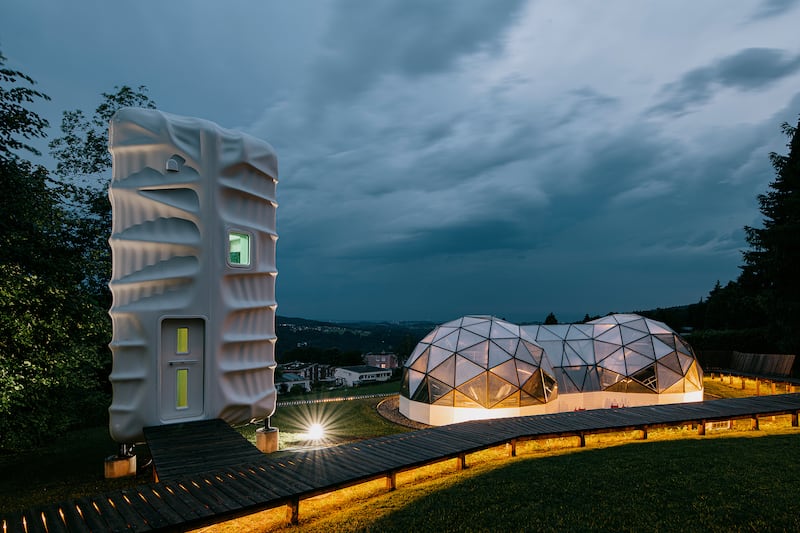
[
  {"x": 53, "y": 334},
  {"x": 18, "y": 124},
  {"x": 83, "y": 173},
  {"x": 771, "y": 263}
]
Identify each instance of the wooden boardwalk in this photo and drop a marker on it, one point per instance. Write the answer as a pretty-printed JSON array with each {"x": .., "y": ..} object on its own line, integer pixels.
[{"x": 203, "y": 485}]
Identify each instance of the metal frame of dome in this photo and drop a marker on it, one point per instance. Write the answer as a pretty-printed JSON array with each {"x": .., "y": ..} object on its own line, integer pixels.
[{"x": 484, "y": 367}]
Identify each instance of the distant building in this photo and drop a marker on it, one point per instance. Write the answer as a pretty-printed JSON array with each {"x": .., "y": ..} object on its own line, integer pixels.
[
  {"x": 382, "y": 360},
  {"x": 314, "y": 372},
  {"x": 288, "y": 380},
  {"x": 362, "y": 374}
]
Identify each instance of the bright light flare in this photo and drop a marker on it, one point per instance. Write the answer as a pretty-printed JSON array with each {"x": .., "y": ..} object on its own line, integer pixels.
[{"x": 316, "y": 431}]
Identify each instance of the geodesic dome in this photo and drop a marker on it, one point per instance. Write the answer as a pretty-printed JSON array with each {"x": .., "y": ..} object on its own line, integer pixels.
[
  {"x": 622, "y": 353},
  {"x": 478, "y": 362},
  {"x": 483, "y": 367}
]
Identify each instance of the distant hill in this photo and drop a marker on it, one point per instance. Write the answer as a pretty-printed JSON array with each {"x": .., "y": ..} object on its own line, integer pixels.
[{"x": 398, "y": 337}]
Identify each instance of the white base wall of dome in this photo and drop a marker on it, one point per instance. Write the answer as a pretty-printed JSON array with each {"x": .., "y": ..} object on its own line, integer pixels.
[
  {"x": 609, "y": 400},
  {"x": 440, "y": 415}
]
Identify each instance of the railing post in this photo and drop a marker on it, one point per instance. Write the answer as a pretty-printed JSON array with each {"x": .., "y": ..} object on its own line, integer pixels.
[
  {"x": 773, "y": 387},
  {"x": 512, "y": 448},
  {"x": 743, "y": 383},
  {"x": 754, "y": 423},
  {"x": 293, "y": 511},
  {"x": 644, "y": 433},
  {"x": 758, "y": 387},
  {"x": 582, "y": 438},
  {"x": 461, "y": 462},
  {"x": 391, "y": 481},
  {"x": 794, "y": 419},
  {"x": 701, "y": 428}
]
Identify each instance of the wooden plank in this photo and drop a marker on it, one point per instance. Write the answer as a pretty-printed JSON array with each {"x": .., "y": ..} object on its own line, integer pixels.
[
  {"x": 91, "y": 516},
  {"x": 182, "y": 500},
  {"x": 112, "y": 517},
  {"x": 133, "y": 519},
  {"x": 169, "y": 515},
  {"x": 74, "y": 522}
]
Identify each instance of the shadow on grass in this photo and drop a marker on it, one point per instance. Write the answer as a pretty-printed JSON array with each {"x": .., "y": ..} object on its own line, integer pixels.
[{"x": 721, "y": 484}]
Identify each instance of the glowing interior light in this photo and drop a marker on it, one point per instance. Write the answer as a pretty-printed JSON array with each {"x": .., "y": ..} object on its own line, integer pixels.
[{"x": 316, "y": 432}]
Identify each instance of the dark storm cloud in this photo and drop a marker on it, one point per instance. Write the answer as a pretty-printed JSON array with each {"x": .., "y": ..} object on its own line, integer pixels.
[
  {"x": 774, "y": 8},
  {"x": 409, "y": 37},
  {"x": 747, "y": 70}
]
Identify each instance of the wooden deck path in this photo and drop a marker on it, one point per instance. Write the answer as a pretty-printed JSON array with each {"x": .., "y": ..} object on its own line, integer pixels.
[{"x": 213, "y": 487}]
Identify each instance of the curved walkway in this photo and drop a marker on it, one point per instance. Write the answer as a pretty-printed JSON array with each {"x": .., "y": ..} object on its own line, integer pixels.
[{"x": 214, "y": 493}]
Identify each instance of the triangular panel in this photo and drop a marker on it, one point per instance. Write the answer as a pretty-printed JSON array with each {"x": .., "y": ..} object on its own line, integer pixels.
[
  {"x": 524, "y": 371},
  {"x": 615, "y": 362},
  {"x": 421, "y": 395},
  {"x": 446, "y": 400},
  {"x": 476, "y": 389},
  {"x": 604, "y": 349},
  {"x": 647, "y": 377},
  {"x": 461, "y": 400},
  {"x": 446, "y": 372},
  {"x": 630, "y": 335},
  {"x": 609, "y": 378},
  {"x": 418, "y": 349},
  {"x": 534, "y": 387},
  {"x": 443, "y": 331},
  {"x": 644, "y": 346},
  {"x": 636, "y": 361},
  {"x": 481, "y": 328},
  {"x": 577, "y": 374},
  {"x": 503, "y": 330},
  {"x": 507, "y": 371},
  {"x": 466, "y": 370},
  {"x": 421, "y": 364},
  {"x": 686, "y": 361},
  {"x": 498, "y": 389},
  {"x": 658, "y": 328},
  {"x": 437, "y": 356},
  {"x": 414, "y": 380},
  {"x": 535, "y": 351},
  {"x": 509, "y": 345},
  {"x": 666, "y": 377},
  {"x": 661, "y": 349},
  {"x": 512, "y": 400},
  {"x": 612, "y": 335},
  {"x": 671, "y": 361},
  {"x": 497, "y": 355},
  {"x": 437, "y": 389},
  {"x": 466, "y": 339},
  {"x": 479, "y": 354},
  {"x": 448, "y": 342}
]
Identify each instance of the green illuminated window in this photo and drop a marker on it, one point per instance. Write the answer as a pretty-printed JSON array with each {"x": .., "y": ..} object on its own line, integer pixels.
[
  {"x": 182, "y": 388},
  {"x": 182, "y": 344},
  {"x": 239, "y": 248}
]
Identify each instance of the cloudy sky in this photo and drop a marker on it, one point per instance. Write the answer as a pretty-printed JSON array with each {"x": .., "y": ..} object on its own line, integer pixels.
[{"x": 450, "y": 157}]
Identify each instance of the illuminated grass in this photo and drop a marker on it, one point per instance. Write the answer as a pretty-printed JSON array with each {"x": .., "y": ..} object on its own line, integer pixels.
[{"x": 726, "y": 482}]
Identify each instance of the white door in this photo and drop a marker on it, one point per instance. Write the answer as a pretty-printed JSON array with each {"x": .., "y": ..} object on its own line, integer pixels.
[{"x": 182, "y": 354}]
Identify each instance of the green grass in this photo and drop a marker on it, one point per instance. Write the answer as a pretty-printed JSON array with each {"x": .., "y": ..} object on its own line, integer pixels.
[
  {"x": 363, "y": 390},
  {"x": 711, "y": 484},
  {"x": 343, "y": 421}
]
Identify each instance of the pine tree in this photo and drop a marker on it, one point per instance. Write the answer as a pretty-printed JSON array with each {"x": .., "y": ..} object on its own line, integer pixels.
[{"x": 771, "y": 263}]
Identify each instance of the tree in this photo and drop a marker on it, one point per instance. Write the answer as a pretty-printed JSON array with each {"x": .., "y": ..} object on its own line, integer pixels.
[
  {"x": 16, "y": 121},
  {"x": 550, "y": 320},
  {"x": 770, "y": 265},
  {"x": 52, "y": 353},
  {"x": 83, "y": 167}
]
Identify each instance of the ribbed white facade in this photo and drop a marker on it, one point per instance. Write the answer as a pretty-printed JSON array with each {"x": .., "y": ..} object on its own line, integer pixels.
[{"x": 193, "y": 282}]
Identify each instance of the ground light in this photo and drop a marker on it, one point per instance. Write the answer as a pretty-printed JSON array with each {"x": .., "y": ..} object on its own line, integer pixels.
[{"x": 316, "y": 432}]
